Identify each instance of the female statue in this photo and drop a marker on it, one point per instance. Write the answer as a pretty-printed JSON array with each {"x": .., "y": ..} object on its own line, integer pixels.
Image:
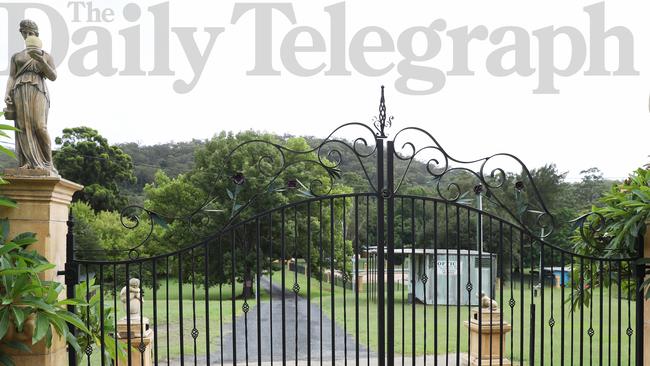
[{"x": 28, "y": 100}]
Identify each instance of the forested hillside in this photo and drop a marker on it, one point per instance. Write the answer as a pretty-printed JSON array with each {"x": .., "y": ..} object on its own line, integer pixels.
[
  {"x": 176, "y": 178},
  {"x": 174, "y": 158}
]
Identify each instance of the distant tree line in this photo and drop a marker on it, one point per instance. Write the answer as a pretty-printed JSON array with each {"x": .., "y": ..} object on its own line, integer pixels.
[{"x": 178, "y": 178}]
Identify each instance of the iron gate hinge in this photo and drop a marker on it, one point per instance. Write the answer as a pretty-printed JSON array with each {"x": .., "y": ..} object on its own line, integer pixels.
[{"x": 70, "y": 273}]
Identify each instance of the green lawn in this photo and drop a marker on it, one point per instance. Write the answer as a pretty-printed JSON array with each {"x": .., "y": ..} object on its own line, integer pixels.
[
  {"x": 194, "y": 315},
  {"x": 443, "y": 320}
]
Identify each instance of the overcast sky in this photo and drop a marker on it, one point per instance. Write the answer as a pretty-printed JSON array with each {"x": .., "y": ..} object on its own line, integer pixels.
[{"x": 597, "y": 121}]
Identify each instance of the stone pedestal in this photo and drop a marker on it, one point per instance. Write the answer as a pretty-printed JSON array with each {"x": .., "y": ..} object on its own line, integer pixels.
[
  {"x": 492, "y": 336},
  {"x": 43, "y": 206},
  {"x": 141, "y": 338},
  {"x": 359, "y": 282},
  {"x": 137, "y": 327}
]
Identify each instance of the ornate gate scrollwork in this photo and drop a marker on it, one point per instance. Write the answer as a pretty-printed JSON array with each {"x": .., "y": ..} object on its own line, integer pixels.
[{"x": 383, "y": 258}]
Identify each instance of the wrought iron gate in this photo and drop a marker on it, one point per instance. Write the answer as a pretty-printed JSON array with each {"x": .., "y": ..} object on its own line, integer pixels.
[{"x": 387, "y": 276}]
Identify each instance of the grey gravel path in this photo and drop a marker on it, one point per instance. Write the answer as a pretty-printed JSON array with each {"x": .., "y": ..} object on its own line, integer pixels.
[
  {"x": 295, "y": 333},
  {"x": 295, "y": 351}
]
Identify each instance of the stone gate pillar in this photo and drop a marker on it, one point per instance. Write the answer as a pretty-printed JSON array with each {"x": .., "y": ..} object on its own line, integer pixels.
[{"x": 43, "y": 207}]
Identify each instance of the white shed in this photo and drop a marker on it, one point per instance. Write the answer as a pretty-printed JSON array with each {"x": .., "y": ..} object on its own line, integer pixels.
[{"x": 448, "y": 276}]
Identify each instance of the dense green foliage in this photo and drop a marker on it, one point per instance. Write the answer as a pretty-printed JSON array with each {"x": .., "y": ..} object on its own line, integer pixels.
[
  {"x": 620, "y": 217},
  {"x": 85, "y": 157},
  {"x": 208, "y": 190},
  {"x": 614, "y": 228},
  {"x": 171, "y": 158},
  {"x": 101, "y": 234},
  {"x": 30, "y": 306},
  {"x": 101, "y": 331},
  {"x": 178, "y": 179}
]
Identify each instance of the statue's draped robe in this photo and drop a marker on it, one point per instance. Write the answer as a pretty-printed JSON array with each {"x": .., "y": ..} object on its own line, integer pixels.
[{"x": 32, "y": 103}]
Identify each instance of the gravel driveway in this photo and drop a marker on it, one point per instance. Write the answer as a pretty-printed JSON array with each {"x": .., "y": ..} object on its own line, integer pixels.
[{"x": 296, "y": 341}]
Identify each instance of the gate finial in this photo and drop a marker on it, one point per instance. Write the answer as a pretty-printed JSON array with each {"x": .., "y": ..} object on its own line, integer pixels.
[{"x": 381, "y": 122}]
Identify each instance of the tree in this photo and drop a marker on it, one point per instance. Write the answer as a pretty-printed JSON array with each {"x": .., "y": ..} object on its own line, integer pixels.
[
  {"x": 173, "y": 158},
  {"x": 103, "y": 234},
  {"x": 614, "y": 229},
  {"x": 86, "y": 240},
  {"x": 86, "y": 157},
  {"x": 592, "y": 186},
  {"x": 265, "y": 183},
  {"x": 619, "y": 219}
]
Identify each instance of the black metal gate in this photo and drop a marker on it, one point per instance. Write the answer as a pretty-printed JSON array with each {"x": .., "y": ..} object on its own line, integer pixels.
[{"x": 389, "y": 276}]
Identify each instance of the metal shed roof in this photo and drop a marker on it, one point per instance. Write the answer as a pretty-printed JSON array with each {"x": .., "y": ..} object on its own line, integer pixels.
[{"x": 428, "y": 251}]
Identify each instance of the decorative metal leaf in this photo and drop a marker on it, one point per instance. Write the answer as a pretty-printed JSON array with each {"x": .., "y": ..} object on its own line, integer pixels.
[{"x": 159, "y": 220}]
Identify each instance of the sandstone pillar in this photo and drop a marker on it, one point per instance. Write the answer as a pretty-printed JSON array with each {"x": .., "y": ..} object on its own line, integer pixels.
[
  {"x": 492, "y": 335},
  {"x": 43, "y": 207}
]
